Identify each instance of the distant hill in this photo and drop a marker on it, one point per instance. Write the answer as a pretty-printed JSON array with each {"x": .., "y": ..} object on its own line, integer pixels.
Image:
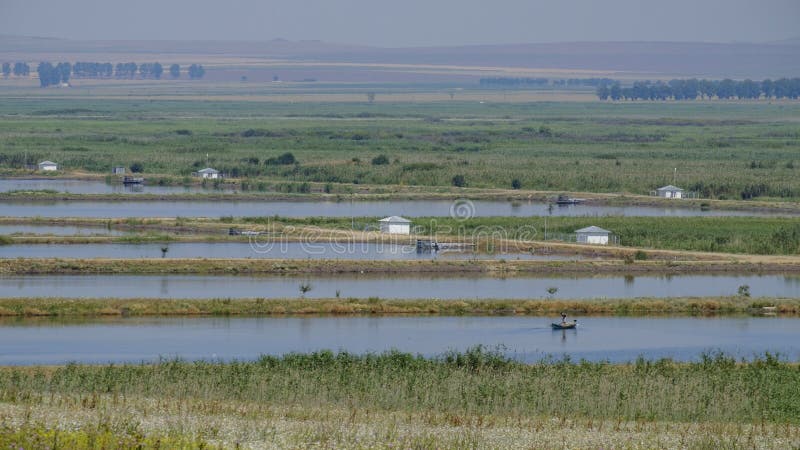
[{"x": 656, "y": 59}]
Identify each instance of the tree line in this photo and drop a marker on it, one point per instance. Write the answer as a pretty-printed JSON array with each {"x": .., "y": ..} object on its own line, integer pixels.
[
  {"x": 53, "y": 74},
  {"x": 511, "y": 82},
  {"x": 692, "y": 89}
]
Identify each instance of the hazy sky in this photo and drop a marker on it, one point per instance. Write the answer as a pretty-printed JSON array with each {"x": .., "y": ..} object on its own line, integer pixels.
[{"x": 406, "y": 22}]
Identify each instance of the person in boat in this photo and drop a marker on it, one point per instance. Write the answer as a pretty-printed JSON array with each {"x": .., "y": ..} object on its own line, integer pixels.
[{"x": 563, "y": 317}]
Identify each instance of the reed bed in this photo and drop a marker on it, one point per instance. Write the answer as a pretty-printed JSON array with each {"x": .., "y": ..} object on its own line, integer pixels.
[{"x": 474, "y": 399}]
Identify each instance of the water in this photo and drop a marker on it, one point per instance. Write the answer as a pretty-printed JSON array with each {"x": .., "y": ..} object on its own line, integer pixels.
[
  {"x": 283, "y": 250},
  {"x": 58, "y": 230},
  {"x": 98, "y": 187},
  {"x": 386, "y": 286},
  {"x": 525, "y": 338},
  {"x": 410, "y": 208}
]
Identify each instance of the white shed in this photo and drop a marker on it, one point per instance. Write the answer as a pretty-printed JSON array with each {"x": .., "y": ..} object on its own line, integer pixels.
[
  {"x": 592, "y": 235},
  {"x": 395, "y": 225},
  {"x": 208, "y": 172},
  {"x": 669, "y": 191},
  {"x": 48, "y": 166}
]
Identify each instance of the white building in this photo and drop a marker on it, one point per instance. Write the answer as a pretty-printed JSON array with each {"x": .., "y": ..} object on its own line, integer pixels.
[
  {"x": 395, "y": 225},
  {"x": 669, "y": 191},
  {"x": 118, "y": 170},
  {"x": 592, "y": 235},
  {"x": 48, "y": 166},
  {"x": 208, "y": 172}
]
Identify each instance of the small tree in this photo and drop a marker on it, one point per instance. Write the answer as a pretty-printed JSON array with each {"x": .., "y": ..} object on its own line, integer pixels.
[
  {"x": 459, "y": 181},
  {"x": 6, "y": 69},
  {"x": 380, "y": 160},
  {"x": 744, "y": 290},
  {"x": 304, "y": 288},
  {"x": 175, "y": 71},
  {"x": 516, "y": 184},
  {"x": 137, "y": 167}
]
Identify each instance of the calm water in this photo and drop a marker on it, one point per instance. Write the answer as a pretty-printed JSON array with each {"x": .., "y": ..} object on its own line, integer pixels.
[
  {"x": 97, "y": 187},
  {"x": 410, "y": 208},
  {"x": 525, "y": 338},
  {"x": 288, "y": 250},
  {"x": 58, "y": 230},
  {"x": 404, "y": 287}
]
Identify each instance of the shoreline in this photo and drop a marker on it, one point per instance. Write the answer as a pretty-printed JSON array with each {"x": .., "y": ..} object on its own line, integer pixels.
[{"x": 403, "y": 193}]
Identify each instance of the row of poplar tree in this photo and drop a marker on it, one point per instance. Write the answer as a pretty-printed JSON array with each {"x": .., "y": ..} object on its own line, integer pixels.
[{"x": 53, "y": 74}]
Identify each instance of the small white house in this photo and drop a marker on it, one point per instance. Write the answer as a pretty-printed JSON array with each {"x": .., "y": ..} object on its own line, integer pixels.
[
  {"x": 48, "y": 166},
  {"x": 669, "y": 191},
  {"x": 118, "y": 170},
  {"x": 395, "y": 225},
  {"x": 592, "y": 235},
  {"x": 208, "y": 172}
]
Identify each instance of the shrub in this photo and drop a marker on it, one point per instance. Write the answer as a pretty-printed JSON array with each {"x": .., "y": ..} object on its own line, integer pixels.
[
  {"x": 282, "y": 160},
  {"x": 516, "y": 184},
  {"x": 137, "y": 167},
  {"x": 459, "y": 181},
  {"x": 380, "y": 160}
]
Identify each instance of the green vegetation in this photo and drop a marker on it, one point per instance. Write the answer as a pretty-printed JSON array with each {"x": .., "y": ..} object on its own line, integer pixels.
[
  {"x": 589, "y": 147},
  {"x": 475, "y": 399},
  {"x": 63, "y": 307},
  {"x": 92, "y": 436},
  {"x": 750, "y": 235},
  {"x": 474, "y": 267}
]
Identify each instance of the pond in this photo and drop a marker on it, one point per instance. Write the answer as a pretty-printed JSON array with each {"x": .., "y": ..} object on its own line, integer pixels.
[
  {"x": 99, "y": 187},
  {"x": 298, "y": 209},
  {"x": 415, "y": 286},
  {"x": 58, "y": 230},
  {"x": 529, "y": 339},
  {"x": 282, "y": 250}
]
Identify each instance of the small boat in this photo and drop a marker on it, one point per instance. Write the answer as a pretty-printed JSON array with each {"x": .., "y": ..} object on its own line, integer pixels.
[
  {"x": 565, "y": 325},
  {"x": 132, "y": 180},
  {"x": 564, "y": 200}
]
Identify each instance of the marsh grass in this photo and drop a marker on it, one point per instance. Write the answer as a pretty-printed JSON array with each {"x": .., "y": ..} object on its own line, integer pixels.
[
  {"x": 589, "y": 147},
  {"x": 477, "y": 382},
  {"x": 56, "y": 307}
]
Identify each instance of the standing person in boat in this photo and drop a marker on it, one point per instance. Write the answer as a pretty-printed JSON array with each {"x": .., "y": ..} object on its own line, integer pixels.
[{"x": 563, "y": 317}]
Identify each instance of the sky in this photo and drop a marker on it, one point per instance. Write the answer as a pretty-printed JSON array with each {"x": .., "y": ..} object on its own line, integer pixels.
[{"x": 403, "y": 23}]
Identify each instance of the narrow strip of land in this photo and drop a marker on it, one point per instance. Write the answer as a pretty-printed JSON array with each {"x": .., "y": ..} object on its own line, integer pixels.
[
  {"x": 131, "y": 307},
  {"x": 22, "y": 266}
]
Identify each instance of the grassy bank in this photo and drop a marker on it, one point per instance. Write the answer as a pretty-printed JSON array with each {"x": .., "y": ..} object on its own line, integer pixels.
[
  {"x": 500, "y": 267},
  {"x": 732, "y": 235},
  {"x": 62, "y": 307},
  {"x": 475, "y": 399}
]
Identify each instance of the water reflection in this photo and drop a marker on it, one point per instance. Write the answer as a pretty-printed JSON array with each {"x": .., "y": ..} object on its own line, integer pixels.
[
  {"x": 408, "y": 208},
  {"x": 446, "y": 286}
]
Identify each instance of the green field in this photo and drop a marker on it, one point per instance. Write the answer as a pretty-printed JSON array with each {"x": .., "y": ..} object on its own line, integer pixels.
[{"x": 726, "y": 150}]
